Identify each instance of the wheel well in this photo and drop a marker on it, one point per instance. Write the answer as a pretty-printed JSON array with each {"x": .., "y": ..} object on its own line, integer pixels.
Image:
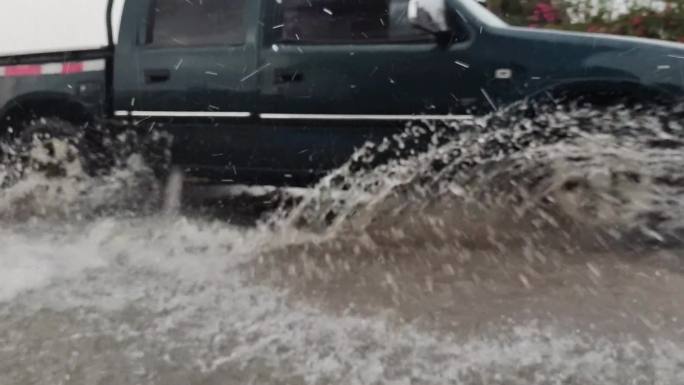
[
  {"x": 18, "y": 112},
  {"x": 609, "y": 92}
]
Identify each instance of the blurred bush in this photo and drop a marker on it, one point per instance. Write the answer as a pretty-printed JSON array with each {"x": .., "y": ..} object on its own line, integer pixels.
[{"x": 662, "y": 20}]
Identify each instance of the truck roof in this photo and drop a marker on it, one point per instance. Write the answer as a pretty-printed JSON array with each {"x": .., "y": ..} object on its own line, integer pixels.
[{"x": 45, "y": 26}]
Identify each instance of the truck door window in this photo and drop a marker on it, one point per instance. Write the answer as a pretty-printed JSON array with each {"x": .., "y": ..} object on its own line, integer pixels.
[
  {"x": 346, "y": 21},
  {"x": 197, "y": 23}
]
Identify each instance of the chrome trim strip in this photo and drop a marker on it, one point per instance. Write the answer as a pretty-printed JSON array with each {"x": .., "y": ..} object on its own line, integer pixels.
[
  {"x": 273, "y": 116},
  {"x": 183, "y": 114},
  {"x": 362, "y": 117}
]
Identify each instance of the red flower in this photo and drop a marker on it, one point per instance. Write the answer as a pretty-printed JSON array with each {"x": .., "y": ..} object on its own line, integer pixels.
[{"x": 637, "y": 20}]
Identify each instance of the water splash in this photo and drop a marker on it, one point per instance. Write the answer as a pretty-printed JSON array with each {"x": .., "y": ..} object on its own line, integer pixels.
[
  {"x": 614, "y": 169},
  {"x": 450, "y": 253},
  {"x": 54, "y": 173}
]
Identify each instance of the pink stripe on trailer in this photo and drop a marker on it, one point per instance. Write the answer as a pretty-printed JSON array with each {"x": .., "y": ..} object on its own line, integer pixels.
[{"x": 58, "y": 68}]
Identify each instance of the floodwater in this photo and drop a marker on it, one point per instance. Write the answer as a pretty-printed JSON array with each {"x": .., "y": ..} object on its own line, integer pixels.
[{"x": 507, "y": 250}]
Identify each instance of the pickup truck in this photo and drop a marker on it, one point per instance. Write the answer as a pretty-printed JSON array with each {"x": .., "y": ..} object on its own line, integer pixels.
[{"x": 281, "y": 91}]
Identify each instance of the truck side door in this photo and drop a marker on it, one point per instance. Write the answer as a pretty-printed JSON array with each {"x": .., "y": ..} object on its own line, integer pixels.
[
  {"x": 188, "y": 65},
  {"x": 349, "y": 69}
]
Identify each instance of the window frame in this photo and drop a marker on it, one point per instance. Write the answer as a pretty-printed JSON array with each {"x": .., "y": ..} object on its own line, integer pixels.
[{"x": 148, "y": 43}]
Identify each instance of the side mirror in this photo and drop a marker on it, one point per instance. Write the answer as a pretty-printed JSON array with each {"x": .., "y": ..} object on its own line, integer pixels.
[{"x": 428, "y": 15}]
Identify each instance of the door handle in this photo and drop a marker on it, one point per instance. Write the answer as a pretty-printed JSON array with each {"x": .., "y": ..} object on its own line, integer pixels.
[
  {"x": 282, "y": 76},
  {"x": 157, "y": 76}
]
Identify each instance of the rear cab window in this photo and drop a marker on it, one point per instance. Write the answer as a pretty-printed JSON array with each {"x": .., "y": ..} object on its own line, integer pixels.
[{"x": 178, "y": 23}]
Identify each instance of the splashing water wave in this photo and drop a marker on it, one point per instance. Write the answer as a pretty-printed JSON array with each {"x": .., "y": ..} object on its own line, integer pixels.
[
  {"x": 522, "y": 248},
  {"x": 50, "y": 175},
  {"x": 617, "y": 169}
]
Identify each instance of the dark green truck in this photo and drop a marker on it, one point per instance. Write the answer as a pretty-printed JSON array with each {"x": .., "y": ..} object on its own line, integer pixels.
[{"x": 281, "y": 91}]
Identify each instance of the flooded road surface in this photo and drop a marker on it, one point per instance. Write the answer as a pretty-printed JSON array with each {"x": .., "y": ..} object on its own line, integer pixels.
[{"x": 506, "y": 257}]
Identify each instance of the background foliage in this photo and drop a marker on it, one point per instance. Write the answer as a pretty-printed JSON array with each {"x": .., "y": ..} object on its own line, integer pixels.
[{"x": 660, "y": 20}]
